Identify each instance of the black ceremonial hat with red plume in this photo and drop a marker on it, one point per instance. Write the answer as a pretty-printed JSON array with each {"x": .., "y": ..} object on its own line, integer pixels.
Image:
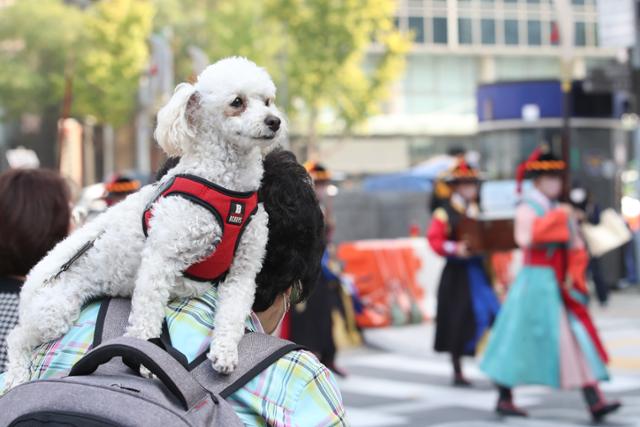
[
  {"x": 540, "y": 162},
  {"x": 461, "y": 172}
]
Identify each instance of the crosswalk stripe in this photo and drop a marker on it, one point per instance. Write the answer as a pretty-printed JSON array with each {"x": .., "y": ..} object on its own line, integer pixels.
[
  {"x": 413, "y": 397},
  {"x": 403, "y": 363},
  {"x": 425, "y": 393},
  {"x": 372, "y": 418},
  {"x": 396, "y": 362}
]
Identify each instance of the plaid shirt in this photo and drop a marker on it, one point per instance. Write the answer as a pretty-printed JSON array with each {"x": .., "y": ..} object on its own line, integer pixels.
[{"x": 297, "y": 390}]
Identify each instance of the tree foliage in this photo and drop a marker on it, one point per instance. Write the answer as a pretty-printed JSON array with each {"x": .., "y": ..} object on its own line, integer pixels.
[
  {"x": 35, "y": 48},
  {"x": 326, "y": 47},
  {"x": 115, "y": 54},
  {"x": 220, "y": 28},
  {"x": 320, "y": 52},
  {"x": 316, "y": 50},
  {"x": 103, "y": 48}
]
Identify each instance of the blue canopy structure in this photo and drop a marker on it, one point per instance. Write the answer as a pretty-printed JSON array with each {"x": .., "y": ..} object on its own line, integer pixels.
[{"x": 417, "y": 179}]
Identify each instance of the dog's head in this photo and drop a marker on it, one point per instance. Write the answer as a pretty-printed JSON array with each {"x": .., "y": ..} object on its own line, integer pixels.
[{"x": 233, "y": 98}]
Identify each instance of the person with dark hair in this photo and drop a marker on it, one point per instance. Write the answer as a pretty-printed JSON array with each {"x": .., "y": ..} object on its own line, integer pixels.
[
  {"x": 296, "y": 389},
  {"x": 34, "y": 216},
  {"x": 467, "y": 304},
  {"x": 311, "y": 323},
  {"x": 441, "y": 191},
  {"x": 588, "y": 211},
  {"x": 296, "y": 234},
  {"x": 543, "y": 334}
]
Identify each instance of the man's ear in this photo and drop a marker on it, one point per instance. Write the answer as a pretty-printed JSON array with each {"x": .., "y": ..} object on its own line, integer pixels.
[{"x": 177, "y": 120}]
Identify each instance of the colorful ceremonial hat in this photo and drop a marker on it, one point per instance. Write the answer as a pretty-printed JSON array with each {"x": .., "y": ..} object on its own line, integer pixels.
[
  {"x": 121, "y": 184},
  {"x": 461, "y": 172},
  {"x": 317, "y": 171},
  {"x": 540, "y": 162}
]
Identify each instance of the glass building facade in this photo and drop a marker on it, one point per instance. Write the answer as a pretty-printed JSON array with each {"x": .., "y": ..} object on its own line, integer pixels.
[
  {"x": 459, "y": 44},
  {"x": 494, "y": 22}
]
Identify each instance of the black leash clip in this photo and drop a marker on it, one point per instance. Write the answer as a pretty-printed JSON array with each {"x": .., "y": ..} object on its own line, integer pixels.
[{"x": 73, "y": 259}]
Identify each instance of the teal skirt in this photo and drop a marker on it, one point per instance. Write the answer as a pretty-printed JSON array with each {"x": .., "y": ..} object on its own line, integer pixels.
[{"x": 524, "y": 345}]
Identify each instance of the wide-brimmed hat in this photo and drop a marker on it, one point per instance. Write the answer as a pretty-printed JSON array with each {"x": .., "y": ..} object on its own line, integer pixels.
[
  {"x": 541, "y": 162},
  {"x": 462, "y": 172},
  {"x": 317, "y": 171},
  {"x": 120, "y": 185}
]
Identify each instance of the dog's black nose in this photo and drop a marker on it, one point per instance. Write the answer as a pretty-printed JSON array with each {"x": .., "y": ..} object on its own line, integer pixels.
[{"x": 272, "y": 122}]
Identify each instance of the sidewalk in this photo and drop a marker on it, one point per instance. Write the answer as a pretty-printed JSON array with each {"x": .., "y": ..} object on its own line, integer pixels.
[{"x": 399, "y": 381}]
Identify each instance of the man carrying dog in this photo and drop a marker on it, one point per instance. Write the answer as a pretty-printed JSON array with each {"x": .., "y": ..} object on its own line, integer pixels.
[{"x": 295, "y": 390}]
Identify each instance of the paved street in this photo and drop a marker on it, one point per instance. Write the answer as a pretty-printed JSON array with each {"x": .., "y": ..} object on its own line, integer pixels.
[{"x": 401, "y": 382}]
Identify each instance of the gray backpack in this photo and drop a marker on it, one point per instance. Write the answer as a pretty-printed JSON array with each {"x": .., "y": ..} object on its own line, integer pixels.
[{"x": 105, "y": 389}]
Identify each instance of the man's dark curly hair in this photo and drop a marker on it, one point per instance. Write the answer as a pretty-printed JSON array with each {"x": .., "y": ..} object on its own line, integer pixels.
[{"x": 296, "y": 230}]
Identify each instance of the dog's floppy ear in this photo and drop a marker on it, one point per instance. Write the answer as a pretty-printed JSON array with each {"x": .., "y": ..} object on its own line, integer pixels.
[{"x": 176, "y": 120}]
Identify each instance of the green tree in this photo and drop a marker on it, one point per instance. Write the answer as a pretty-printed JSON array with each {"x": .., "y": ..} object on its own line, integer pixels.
[
  {"x": 102, "y": 48},
  {"x": 326, "y": 47},
  {"x": 220, "y": 28},
  {"x": 318, "y": 51},
  {"x": 35, "y": 52},
  {"x": 114, "y": 55}
]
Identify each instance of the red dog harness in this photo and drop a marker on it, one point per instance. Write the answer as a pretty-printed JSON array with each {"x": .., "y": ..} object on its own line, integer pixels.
[{"x": 233, "y": 211}]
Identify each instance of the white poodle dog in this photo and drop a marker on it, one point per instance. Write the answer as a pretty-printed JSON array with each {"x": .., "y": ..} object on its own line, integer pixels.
[{"x": 220, "y": 126}]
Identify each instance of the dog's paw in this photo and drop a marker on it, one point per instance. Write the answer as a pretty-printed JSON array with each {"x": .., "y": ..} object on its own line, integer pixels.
[
  {"x": 224, "y": 360},
  {"x": 140, "y": 333}
]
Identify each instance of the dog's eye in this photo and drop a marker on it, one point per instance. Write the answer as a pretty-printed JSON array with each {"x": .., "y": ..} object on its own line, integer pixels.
[
  {"x": 267, "y": 102},
  {"x": 237, "y": 103}
]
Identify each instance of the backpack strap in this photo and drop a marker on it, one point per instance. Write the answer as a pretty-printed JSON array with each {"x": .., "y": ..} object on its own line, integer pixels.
[
  {"x": 256, "y": 352},
  {"x": 135, "y": 352},
  {"x": 112, "y": 320}
]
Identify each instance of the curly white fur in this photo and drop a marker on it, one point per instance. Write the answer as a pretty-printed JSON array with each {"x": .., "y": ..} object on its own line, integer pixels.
[{"x": 218, "y": 141}]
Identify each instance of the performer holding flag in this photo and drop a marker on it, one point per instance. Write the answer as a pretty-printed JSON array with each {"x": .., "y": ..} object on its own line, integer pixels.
[{"x": 543, "y": 333}]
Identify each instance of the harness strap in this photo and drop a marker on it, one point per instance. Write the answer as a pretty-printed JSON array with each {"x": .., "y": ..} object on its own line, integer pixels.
[{"x": 232, "y": 210}]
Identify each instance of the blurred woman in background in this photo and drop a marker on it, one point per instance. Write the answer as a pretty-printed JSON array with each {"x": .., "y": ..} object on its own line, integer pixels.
[
  {"x": 587, "y": 211},
  {"x": 544, "y": 334},
  {"x": 35, "y": 214},
  {"x": 311, "y": 323}
]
